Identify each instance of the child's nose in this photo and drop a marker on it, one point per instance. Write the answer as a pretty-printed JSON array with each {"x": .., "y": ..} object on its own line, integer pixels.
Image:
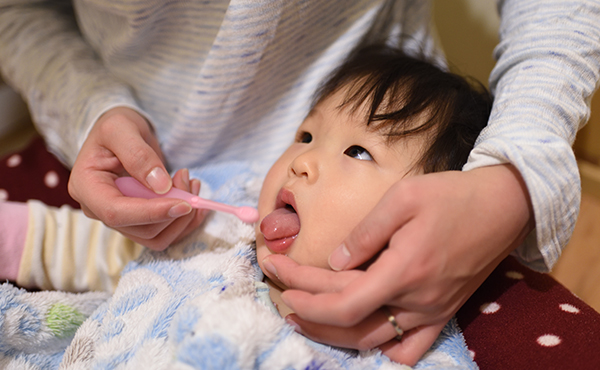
[{"x": 306, "y": 165}]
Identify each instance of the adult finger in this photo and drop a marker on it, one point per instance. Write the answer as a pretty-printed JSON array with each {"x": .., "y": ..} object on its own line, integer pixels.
[
  {"x": 368, "y": 334},
  {"x": 200, "y": 214},
  {"x": 413, "y": 345},
  {"x": 158, "y": 233},
  {"x": 391, "y": 281},
  {"x": 182, "y": 226},
  {"x": 308, "y": 278},
  {"x": 136, "y": 149},
  {"x": 92, "y": 178},
  {"x": 163, "y": 239},
  {"x": 375, "y": 230},
  {"x": 356, "y": 301}
]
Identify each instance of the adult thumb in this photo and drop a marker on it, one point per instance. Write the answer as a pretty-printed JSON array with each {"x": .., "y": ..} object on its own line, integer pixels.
[
  {"x": 373, "y": 233},
  {"x": 136, "y": 147}
]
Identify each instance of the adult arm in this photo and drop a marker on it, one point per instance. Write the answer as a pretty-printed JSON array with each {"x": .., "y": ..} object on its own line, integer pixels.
[
  {"x": 547, "y": 71},
  {"x": 522, "y": 173},
  {"x": 45, "y": 58},
  {"x": 79, "y": 107},
  {"x": 62, "y": 249}
]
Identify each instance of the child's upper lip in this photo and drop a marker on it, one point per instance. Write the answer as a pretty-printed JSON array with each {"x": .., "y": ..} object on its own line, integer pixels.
[{"x": 284, "y": 198}]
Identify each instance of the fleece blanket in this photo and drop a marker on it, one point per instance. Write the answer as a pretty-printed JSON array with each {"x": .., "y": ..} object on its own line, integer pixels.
[{"x": 197, "y": 305}]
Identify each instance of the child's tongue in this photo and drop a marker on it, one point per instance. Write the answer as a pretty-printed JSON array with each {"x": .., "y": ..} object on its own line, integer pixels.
[{"x": 280, "y": 224}]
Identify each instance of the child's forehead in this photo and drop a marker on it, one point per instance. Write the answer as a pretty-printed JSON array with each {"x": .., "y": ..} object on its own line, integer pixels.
[
  {"x": 338, "y": 103},
  {"x": 357, "y": 114},
  {"x": 330, "y": 110}
]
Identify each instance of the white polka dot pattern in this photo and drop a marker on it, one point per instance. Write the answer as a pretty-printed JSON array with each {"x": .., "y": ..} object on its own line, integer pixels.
[
  {"x": 549, "y": 340},
  {"x": 534, "y": 318},
  {"x": 569, "y": 308},
  {"x": 51, "y": 179},
  {"x": 488, "y": 308},
  {"x": 14, "y": 160},
  {"x": 34, "y": 173}
]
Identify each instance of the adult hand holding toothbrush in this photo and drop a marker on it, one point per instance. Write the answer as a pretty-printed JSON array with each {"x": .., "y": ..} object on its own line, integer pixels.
[{"x": 122, "y": 142}]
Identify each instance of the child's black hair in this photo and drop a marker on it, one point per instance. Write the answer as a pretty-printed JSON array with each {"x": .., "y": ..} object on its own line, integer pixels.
[{"x": 408, "y": 96}]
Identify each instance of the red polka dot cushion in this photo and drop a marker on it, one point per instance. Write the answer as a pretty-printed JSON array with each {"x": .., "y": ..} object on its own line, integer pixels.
[
  {"x": 33, "y": 173},
  {"x": 521, "y": 319}
]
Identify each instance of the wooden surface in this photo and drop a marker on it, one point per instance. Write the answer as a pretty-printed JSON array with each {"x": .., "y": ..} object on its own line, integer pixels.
[
  {"x": 579, "y": 266},
  {"x": 587, "y": 144}
]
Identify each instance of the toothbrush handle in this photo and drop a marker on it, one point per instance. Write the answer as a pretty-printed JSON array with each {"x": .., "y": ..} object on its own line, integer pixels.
[{"x": 133, "y": 188}]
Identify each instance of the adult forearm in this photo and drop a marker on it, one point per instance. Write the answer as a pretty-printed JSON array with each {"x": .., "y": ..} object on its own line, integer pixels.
[
  {"x": 548, "y": 68},
  {"x": 45, "y": 58}
]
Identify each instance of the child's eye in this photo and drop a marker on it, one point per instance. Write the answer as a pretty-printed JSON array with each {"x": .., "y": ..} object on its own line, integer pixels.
[
  {"x": 303, "y": 137},
  {"x": 358, "y": 152}
]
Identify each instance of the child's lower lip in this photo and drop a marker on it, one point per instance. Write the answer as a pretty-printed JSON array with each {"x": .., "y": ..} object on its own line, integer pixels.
[{"x": 280, "y": 245}]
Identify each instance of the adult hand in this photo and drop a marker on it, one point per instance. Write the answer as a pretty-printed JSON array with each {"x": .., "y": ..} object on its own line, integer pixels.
[
  {"x": 120, "y": 143},
  {"x": 444, "y": 232}
]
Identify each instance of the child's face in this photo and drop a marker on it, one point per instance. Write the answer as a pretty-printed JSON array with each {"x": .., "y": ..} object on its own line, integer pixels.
[{"x": 334, "y": 173}]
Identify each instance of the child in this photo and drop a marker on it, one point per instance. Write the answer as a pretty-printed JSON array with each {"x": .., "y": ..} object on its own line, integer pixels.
[{"x": 381, "y": 117}]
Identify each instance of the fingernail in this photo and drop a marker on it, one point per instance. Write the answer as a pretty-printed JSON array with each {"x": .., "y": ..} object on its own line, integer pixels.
[
  {"x": 293, "y": 324},
  {"x": 158, "y": 180},
  {"x": 186, "y": 179},
  {"x": 195, "y": 186},
  {"x": 180, "y": 209},
  {"x": 269, "y": 266},
  {"x": 339, "y": 258}
]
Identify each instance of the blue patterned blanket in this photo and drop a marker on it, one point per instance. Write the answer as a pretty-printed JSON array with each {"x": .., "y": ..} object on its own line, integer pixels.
[{"x": 193, "y": 306}]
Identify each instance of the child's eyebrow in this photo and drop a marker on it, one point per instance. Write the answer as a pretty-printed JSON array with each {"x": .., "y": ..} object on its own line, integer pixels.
[{"x": 312, "y": 112}]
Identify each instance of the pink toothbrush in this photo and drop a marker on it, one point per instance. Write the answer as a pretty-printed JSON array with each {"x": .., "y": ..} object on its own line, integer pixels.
[{"x": 133, "y": 188}]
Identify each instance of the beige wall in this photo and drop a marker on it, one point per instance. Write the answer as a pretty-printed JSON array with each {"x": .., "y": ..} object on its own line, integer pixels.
[{"x": 468, "y": 31}]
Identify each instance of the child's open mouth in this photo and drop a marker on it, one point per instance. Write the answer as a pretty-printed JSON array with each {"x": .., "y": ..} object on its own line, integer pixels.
[{"x": 281, "y": 227}]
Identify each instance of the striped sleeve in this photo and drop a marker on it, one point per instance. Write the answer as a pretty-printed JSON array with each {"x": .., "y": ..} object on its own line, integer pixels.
[
  {"x": 44, "y": 57},
  {"x": 65, "y": 250},
  {"x": 547, "y": 71}
]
